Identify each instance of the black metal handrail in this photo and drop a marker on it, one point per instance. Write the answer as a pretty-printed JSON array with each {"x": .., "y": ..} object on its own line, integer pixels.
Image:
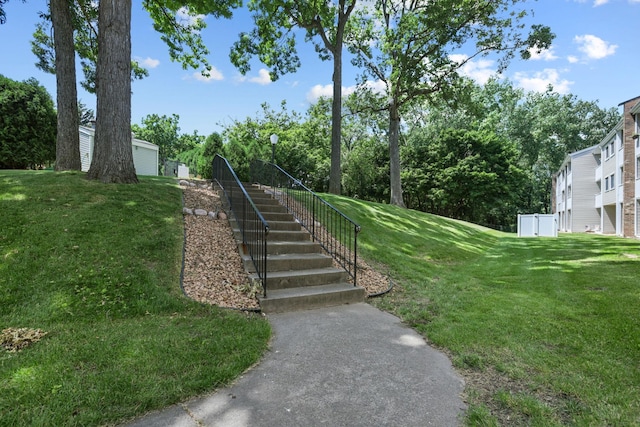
[
  {"x": 253, "y": 227},
  {"x": 333, "y": 230}
]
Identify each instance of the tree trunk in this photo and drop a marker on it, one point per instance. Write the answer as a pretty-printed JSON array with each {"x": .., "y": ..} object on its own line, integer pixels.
[
  {"x": 112, "y": 157},
  {"x": 68, "y": 137},
  {"x": 335, "y": 175},
  {"x": 394, "y": 155}
]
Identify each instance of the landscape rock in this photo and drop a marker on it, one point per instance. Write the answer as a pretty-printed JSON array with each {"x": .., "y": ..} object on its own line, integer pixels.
[
  {"x": 212, "y": 215},
  {"x": 187, "y": 211},
  {"x": 222, "y": 215},
  {"x": 200, "y": 212}
]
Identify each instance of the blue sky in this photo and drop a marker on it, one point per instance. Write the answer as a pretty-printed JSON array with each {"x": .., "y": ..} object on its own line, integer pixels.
[{"x": 595, "y": 56}]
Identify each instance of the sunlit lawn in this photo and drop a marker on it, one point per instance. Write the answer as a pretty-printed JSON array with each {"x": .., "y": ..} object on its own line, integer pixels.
[
  {"x": 553, "y": 324},
  {"x": 97, "y": 267}
]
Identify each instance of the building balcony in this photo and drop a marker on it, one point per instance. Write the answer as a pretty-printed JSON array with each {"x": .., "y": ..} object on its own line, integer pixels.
[
  {"x": 598, "y": 202},
  {"x": 599, "y": 173}
]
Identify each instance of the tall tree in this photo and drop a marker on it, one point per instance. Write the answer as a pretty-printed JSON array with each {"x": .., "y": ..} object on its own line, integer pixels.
[
  {"x": 74, "y": 25},
  {"x": 182, "y": 37},
  {"x": 273, "y": 41},
  {"x": 27, "y": 125},
  {"x": 464, "y": 174},
  {"x": 84, "y": 14},
  {"x": 410, "y": 47},
  {"x": 68, "y": 137},
  {"x": 112, "y": 160}
]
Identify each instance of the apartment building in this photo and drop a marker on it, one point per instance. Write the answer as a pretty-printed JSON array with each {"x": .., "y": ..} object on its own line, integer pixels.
[{"x": 598, "y": 189}]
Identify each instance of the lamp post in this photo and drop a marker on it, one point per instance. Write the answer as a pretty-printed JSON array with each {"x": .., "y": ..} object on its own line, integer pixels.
[{"x": 274, "y": 141}]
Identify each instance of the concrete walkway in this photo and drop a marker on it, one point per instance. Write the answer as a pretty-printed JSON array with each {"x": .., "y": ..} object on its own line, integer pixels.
[{"x": 351, "y": 365}]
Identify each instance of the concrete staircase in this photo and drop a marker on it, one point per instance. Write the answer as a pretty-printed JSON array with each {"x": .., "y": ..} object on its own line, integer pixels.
[{"x": 299, "y": 274}]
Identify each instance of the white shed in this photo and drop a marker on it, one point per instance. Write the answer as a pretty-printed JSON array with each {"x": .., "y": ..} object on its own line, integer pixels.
[{"x": 145, "y": 154}]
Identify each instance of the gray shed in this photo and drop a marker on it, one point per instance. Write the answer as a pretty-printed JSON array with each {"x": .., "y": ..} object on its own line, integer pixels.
[{"x": 145, "y": 154}]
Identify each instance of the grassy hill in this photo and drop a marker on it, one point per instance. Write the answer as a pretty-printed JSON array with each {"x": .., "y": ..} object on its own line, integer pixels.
[
  {"x": 545, "y": 330},
  {"x": 97, "y": 268}
]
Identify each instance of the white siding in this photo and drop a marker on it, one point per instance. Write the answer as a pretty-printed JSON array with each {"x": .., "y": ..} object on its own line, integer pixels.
[
  {"x": 583, "y": 190},
  {"x": 145, "y": 154},
  {"x": 86, "y": 147},
  {"x": 145, "y": 157}
]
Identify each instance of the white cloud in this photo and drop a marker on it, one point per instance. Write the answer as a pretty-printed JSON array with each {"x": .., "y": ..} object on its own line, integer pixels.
[
  {"x": 326, "y": 91},
  {"x": 377, "y": 86},
  {"x": 572, "y": 59},
  {"x": 187, "y": 19},
  {"x": 319, "y": 91},
  {"x": 214, "y": 74},
  {"x": 540, "y": 81},
  {"x": 597, "y": 3},
  {"x": 594, "y": 47},
  {"x": 263, "y": 77},
  {"x": 544, "y": 55},
  {"x": 479, "y": 71},
  {"x": 148, "y": 62}
]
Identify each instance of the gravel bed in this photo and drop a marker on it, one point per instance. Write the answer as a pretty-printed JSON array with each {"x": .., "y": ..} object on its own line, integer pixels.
[{"x": 213, "y": 270}]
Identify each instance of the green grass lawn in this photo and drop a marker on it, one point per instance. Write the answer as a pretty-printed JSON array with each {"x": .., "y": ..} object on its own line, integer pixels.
[
  {"x": 97, "y": 267},
  {"x": 546, "y": 330}
]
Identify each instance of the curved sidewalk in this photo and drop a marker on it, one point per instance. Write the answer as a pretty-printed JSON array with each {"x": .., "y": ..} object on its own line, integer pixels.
[{"x": 350, "y": 365}]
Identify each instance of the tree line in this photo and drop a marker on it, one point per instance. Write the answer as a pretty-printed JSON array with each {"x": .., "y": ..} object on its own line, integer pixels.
[
  {"x": 483, "y": 160},
  {"x": 413, "y": 49},
  {"x": 408, "y": 46}
]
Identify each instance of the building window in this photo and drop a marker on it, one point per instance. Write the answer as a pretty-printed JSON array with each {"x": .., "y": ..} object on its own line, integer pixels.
[
  {"x": 610, "y": 182},
  {"x": 638, "y": 167},
  {"x": 621, "y": 176},
  {"x": 569, "y": 192}
]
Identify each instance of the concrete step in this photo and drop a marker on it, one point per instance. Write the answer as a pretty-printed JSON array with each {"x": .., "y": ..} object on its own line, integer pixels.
[
  {"x": 283, "y": 300},
  {"x": 299, "y": 235},
  {"x": 281, "y": 225},
  {"x": 301, "y": 247},
  {"x": 277, "y": 216},
  {"x": 302, "y": 278},
  {"x": 265, "y": 200},
  {"x": 277, "y": 208},
  {"x": 296, "y": 262},
  {"x": 288, "y": 236},
  {"x": 292, "y": 262}
]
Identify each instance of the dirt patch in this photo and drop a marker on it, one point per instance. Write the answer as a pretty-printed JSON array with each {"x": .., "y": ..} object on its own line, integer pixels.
[
  {"x": 502, "y": 396},
  {"x": 15, "y": 339}
]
